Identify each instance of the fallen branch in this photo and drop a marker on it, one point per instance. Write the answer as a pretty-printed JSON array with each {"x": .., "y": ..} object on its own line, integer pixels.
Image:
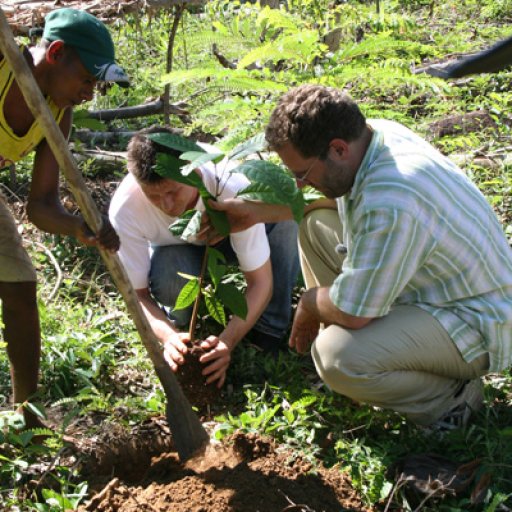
[
  {"x": 147, "y": 109},
  {"x": 92, "y": 138},
  {"x": 222, "y": 59},
  {"x": 109, "y": 161},
  {"x": 93, "y": 503}
]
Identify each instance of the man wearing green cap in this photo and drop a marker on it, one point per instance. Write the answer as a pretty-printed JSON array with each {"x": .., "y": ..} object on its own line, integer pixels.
[{"x": 76, "y": 51}]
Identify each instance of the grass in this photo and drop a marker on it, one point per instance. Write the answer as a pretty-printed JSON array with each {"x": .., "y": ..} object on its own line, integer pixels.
[{"x": 93, "y": 362}]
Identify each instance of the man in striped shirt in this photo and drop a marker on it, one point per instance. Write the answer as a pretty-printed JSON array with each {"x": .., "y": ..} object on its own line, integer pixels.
[{"x": 409, "y": 274}]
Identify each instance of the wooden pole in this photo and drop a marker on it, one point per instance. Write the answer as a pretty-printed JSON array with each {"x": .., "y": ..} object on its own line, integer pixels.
[{"x": 188, "y": 432}]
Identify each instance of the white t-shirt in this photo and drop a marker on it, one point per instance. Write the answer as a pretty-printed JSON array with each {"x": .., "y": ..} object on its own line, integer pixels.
[{"x": 141, "y": 225}]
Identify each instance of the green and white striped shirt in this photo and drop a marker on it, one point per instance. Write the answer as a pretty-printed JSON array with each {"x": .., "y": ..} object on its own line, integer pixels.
[{"x": 418, "y": 232}]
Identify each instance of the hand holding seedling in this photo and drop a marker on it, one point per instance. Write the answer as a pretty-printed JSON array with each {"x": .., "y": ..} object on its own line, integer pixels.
[
  {"x": 270, "y": 188},
  {"x": 207, "y": 231},
  {"x": 175, "y": 347},
  {"x": 219, "y": 357},
  {"x": 241, "y": 214}
]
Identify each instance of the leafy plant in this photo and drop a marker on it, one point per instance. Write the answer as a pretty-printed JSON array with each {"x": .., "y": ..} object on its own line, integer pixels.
[{"x": 268, "y": 183}]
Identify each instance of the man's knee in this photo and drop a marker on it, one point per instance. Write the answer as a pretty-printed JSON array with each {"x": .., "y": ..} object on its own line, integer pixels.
[
  {"x": 307, "y": 227},
  {"x": 336, "y": 361}
]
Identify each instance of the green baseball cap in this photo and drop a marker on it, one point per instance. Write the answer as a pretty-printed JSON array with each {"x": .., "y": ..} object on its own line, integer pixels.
[{"x": 90, "y": 38}]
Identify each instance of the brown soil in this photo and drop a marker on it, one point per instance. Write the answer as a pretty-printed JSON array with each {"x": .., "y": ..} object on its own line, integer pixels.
[
  {"x": 192, "y": 381},
  {"x": 245, "y": 473}
]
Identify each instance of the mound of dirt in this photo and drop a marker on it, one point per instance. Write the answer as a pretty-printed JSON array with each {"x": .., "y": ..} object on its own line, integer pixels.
[{"x": 245, "y": 473}]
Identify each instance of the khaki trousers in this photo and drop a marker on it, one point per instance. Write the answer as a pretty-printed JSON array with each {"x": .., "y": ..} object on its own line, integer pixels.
[
  {"x": 405, "y": 361},
  {"x": 15, "y": 264}
]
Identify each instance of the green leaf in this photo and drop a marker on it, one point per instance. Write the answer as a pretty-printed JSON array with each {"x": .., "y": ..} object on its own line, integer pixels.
[
  {"x": 54, "y": 499},
  {"x": 188, "y": 277},
  {"x": 218, "y": 219},
  {"x": 35, "y": 409},
  {"x": 187, "y": 225},
  {"x": 92, "y": 124},
  {"x": 215, "y": 269},
  {"x": 187, "y": 295},
  {"x": 249, "y": 147},
  {"x": 233, "y": 299},
  {"x": 197, "y": 159},
  {"x": 174, "y": 141},
  {"x": 215, "y": 308},
  {"x": 81, "y": 119},
  {"x": 170, "y": 167},
  {"x": 270, "y": 183},
  {"x": 215, "y": 253},
  {"x": 25, "y": 437}
]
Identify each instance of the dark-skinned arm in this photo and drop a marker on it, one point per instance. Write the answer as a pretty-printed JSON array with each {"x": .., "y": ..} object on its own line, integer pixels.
[{"x": 46, "y": 211}]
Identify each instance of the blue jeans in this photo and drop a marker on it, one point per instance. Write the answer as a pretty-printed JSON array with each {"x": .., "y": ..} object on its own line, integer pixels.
[{"x": 166, "y": 284}]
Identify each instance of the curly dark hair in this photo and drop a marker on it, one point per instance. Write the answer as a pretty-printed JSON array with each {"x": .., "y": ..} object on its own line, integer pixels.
[
  {"x": 311, "y": 116},
  {"x": 142, "y": 154}
]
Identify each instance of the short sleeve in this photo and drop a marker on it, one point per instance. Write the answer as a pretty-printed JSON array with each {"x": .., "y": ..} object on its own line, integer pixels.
[{"x": 387, "y": 248}]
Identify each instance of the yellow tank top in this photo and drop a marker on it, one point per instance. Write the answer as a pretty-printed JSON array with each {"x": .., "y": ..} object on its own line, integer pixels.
[{"x": 12, "y": 147}]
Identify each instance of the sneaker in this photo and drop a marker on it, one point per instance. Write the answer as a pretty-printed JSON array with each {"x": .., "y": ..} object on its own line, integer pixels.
[{"x": 469, "y": 399}]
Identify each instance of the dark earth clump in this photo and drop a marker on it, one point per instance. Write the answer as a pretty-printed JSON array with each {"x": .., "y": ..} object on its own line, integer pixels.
[{"x": 192, "y": 380}]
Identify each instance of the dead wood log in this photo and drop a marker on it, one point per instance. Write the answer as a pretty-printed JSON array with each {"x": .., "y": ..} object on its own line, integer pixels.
[
  {"x": 109, "y": 162},
  {"x": 462, "y": 123},
  {"x": 147, "y": 109},
  {"x": 24, "y": 15},
  {"x": 93, "y": 138}
]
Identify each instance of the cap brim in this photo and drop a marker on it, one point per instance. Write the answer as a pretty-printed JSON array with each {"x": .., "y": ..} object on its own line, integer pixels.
[
  {"x": 116, "y": 74},
  {"x": 104, "y": 71}
]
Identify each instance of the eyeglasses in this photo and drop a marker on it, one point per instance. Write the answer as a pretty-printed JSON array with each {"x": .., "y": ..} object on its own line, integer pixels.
[{"x": 302, "y": 178}]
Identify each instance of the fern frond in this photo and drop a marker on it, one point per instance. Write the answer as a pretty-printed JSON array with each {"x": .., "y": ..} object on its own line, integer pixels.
[
  {"x": 180, "y": 77},
  {"x": 207, "y": 38},
  {"x": 380, "y": 46},
  {"x": 40, "y": 431},
  {"x": 278, "y": 19},
  {"x": 67, "y": 401},
  {"x": 238, "y": 81},
  {"x": 302, "y": 46}
]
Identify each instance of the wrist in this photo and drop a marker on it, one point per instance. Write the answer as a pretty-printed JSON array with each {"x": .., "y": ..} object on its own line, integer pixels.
[
  {"x": 229, "y": 341},
  {"x": 308, "y": 301}
]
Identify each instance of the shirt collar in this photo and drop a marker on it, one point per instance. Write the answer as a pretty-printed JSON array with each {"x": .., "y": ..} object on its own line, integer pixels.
[{"x": 372, "y": 152}]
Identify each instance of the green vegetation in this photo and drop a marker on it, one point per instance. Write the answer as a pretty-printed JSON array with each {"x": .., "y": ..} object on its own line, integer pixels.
[
  {"x": 93, "y": 363},
  {"x": 268, "y": 182}
]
